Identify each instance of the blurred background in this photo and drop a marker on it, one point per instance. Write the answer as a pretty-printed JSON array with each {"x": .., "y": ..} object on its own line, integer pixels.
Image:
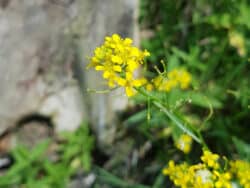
[{"x": 56, "y": 133}]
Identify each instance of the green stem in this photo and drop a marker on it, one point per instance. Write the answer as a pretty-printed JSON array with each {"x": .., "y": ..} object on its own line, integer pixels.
[
  {"x": 176, "y": 121},
  {"x": 195, "y": 134}
]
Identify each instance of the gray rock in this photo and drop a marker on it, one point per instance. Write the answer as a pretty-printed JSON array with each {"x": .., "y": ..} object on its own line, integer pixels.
[{"x": 43, "y": 50}]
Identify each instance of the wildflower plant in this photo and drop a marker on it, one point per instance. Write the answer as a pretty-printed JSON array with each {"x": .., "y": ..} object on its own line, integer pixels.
[
  {"x": 119, "y": 61},
  {"x": 120, "y": 64},
  {"x": 211, "y": 39}
]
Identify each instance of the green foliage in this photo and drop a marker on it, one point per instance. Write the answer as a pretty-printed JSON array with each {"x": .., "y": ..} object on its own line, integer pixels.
[
  {"x": 35, "y": 169},
  {"x": 208, "y": 38},
  {"x": 211, "y": 40},
  {"x": 78, "y": 147},
  {"x": 104, "y": 177},
  {"x": 196, "y": 35},
  {"x": 243, "y": 148}
]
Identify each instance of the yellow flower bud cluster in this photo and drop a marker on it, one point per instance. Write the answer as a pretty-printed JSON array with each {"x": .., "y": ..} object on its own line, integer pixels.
[
  {"x": 209, "y": 173},
  {"x": 184, "y": 143},
  {"x": 173, "y": 79},
  {"x": 237, "y": 41},
  {"x": 118, "y": 60}
]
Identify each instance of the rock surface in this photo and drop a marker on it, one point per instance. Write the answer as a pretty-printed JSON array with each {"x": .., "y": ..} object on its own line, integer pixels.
[{"x": 43, "y": 50}]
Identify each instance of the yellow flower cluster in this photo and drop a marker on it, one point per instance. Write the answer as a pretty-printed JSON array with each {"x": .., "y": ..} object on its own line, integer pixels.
[
  {"x": 186, "y": 176},
  {"x": 209, "y": 174},
  {"x": 210, "y": 159},
  {"x": 118, "y": 60},
  {"x": 175, "y": 78},
  {"x": 184, "y": 143},
  {"x": 241, "y": 169},
  {"x": 236, "y": 40}
]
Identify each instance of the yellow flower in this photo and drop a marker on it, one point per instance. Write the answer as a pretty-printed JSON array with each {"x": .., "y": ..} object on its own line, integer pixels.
[
  {"x": 178, "y": 174},
  {"x": 118, "y": 60},
  {"x": 132, "y": 65},
  {"x": 158, "y": 82},
  {"x": 170, "y": 168},
  {"x": 108, "y": 68},
  {"x": 242, "y": 171},
  {"x": 149, "y": 87},
  {"x": 129, "y": 83},
  {"x": 184, "y": 143},
  {"x": 184, "y": 79},
  {"x": 203, "y": 175},
  {"x": 210, "y": 159},
  {"x": 222, "y": 180},
  {"x": 173, "y": 79},
  {"x": 168, "y": 85},
  {"x": 209, "y": 174},
  {"x": 186, "y": 176},
  {"x": 146, "y": 53}
]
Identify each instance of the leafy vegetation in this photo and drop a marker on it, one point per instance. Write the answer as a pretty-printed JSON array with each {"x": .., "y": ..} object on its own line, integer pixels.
[
  {"x": 189, "y": 117},
  {"x": 211, "y": 40},
  {"x": 36, "y": 169}
]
